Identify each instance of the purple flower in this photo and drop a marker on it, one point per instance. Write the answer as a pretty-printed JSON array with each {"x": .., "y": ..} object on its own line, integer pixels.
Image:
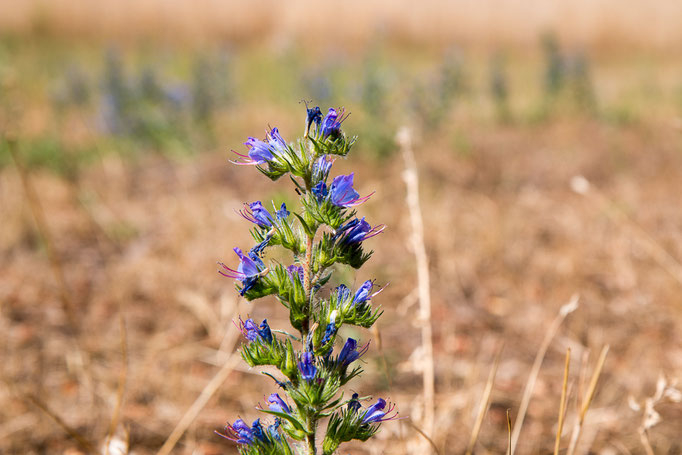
[
  {"x": 277, "y": 404},
  {"x": 252, "y": 332},
  {"x": 272, "y": 430},
  {"x": 250, "y": 269},
  {"x": 353, "y": 403},
  {"x": 282, "y": 213},
  {"x": 329, "y": 332},
  {"x": 260, "y": 152},
  {"x": 363, "y": 292},
  {"x": 320, "y": 190},
  {"x": 241, "y": 433},
  {"x": 306, "y": 366},
  {"x": 355, "y": 231},
  {"x": 249, "y": 329},
  {"x": 258, "y": 248},
  {"x": 257, "y": 214},
  {"x": 376, "y": 413},
  {"x": 321, "y": 168},
  {"x": 277, "y": 143},
  {"x": 342, "y": 194},
  {"x": 314, "y": 115},
  {"x": 349, "y": 353},
  {"x": 331, "y": 124},
  {"x": 295, "y": 272},
  {"x": 342, "y": 293}
]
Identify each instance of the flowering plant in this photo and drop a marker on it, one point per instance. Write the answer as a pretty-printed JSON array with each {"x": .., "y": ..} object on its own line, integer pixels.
[{"x": 326, "y": 231}]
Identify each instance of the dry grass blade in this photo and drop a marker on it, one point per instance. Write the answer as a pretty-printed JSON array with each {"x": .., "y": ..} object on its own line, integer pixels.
[
  {"x": 411, "y": 178},
  {"x": 484, "y": 403},
  {"x": 659, "y": 254},
  {"x": 426, "y": 436},
  {"x": 44, "y": 232},
  {"x": 509, "y": 433},
  {"x": 644, "y": 438},
  {"x": 592, "y": 388},
  {"x": 205, "y": 395},
  {"x": 535, "y": 370},
  {"x": 121, "y": 385},
  {"x": 80, "y": 439},
  {"x": 562, "y": 404}
]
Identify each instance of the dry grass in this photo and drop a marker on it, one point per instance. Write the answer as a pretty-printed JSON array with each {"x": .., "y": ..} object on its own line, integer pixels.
[
  {"x": 509, "y": 232},
  {"x": 524, "y": 242},
  {"x": 609, "y": 24}
]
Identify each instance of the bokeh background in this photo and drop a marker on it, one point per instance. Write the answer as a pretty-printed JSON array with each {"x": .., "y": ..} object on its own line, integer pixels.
[{"x": 548, "y": 142}]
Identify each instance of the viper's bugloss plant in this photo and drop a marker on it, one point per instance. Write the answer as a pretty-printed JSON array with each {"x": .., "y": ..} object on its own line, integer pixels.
[{"x": 324, "y": 232}]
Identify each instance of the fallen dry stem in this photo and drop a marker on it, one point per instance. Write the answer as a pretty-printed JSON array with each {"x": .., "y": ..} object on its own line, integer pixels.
[
  {"x": 484, "y": 403},
  {"x": 410, "y": 175},
  {"x": 562, "y": 403},
  {"x": 592, "y": 388},
  {"x": 564, "y": 311}
]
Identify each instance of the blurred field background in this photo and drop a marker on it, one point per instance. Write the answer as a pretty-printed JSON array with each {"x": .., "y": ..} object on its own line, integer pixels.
[{"x": 548, "y": 141}]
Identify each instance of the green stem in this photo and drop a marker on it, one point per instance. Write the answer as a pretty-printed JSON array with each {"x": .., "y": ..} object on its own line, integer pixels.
[{"x": 311, "y": 445}]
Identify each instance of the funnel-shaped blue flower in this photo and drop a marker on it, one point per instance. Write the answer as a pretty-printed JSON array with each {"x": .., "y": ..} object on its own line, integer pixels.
[
  {"x": 277, "y": 404},
  {"x": 331, "y": 123},
  {"x": 306, "y": 366},
  {"x": 356, "y": 231},
  {"x": 260, "y": 152},
  {"x": 349, "y": 353},
  {"x": 250, "y": 268},
  {"x": 376, "y": 413},
  {"x": 342, "y": 193}
]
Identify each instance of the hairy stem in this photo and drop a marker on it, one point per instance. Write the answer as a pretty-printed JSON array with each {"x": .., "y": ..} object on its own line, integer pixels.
[
  {"x": 307, "y": 288},
  {"x": 312, "y": 422}
]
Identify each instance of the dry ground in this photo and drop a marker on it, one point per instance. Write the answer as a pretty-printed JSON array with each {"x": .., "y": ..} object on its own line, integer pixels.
[{"x": 509, "y": 242}]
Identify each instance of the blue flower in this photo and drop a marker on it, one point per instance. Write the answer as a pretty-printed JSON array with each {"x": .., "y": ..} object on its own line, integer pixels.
[
  {"x": 277, "y": 143},
  {"x": 349, "y": 353},
  {"x": 342, "y": 293},
  {"x": 355, "y": 231},
  {"x": 264, "y": 331},
  {"x": 249, "y": 329},
  {"x": 260, "y": 152},
  {"x": 353, "y": 403},
  {"x": 320, "y": 190},
  {"x": 329, "y": 332},
  {"x": 277, "y": 404},
  {"x": 272, "y": 430},
  {"x": 314, "y": 115},
  {"x": 342, "y": 194},
  {"x": 363, "y": 293},
  {"x": 250, "y": 268},
  {"x": 306, "y": 366},
  {"x": 282, "y": 213},
  {"x": 257, "y": 250},
  {"x": 331, "y": 124},
  {"x": 376, "y": 413},
  {"x": 257, "y": 214},
  {"x": 241, "y": 433},
  {"x": 257, "y": 430},
  {"x": 295, "y": 272},
  {"x": 252, "y": 332},
  {"x": 321, "y": 168}
]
